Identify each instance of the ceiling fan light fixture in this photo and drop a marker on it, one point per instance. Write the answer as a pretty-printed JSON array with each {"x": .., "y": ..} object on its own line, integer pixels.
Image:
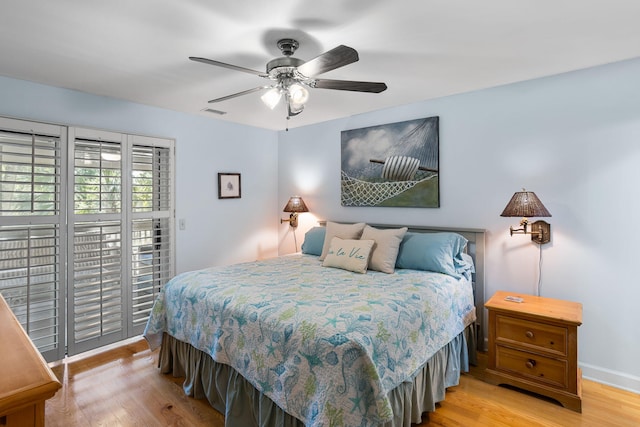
[
  {"x": 298, "y": 94},
  {"x": 272, "y": 97},
  {"x": 294, "y": 109}
]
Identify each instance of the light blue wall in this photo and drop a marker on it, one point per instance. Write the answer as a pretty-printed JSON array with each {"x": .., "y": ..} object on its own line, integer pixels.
[
  {"x": 217, "y": 231},
  {"x": 574, "y": 139}
]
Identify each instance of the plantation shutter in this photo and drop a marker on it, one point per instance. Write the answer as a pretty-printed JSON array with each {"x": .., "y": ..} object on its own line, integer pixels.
[
  {"x": 85, "y": 247},
  {"x": 96, "y": 308},
  {"x": 32, "y": 255},
  {"x": 152, "y": 224}
]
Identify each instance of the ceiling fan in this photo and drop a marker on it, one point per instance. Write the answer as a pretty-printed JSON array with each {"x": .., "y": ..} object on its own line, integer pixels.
[{"x": 291, "y": 76}]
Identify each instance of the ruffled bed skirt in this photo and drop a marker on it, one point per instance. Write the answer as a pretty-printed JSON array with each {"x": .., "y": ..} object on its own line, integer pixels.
[{"x": 243, "y": 405}]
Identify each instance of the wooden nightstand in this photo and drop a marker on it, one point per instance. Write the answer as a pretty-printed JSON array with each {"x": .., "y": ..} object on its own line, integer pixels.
[{"x": 533, "y": 345}]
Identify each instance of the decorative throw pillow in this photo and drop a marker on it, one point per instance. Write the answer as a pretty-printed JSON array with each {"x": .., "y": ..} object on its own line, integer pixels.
[
  {"x": 344, "y": 231},
  {"x": 348, "y": 254},
  {"x": 432, "y": 252},
  {"x": 385, "y": 250},
  {"x": 313, "y": 241}
]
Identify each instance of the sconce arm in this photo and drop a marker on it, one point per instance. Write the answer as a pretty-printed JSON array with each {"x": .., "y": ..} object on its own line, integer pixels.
[
  {"x": 292, "y": 220},
  {"x": 540, "y": 231}
]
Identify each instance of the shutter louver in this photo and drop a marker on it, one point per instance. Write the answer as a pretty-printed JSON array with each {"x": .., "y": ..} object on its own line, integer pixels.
[
  {"x": 98, "y": 177},
  {"x": 151, "y": 179},
  {"x": 29, "y": 174},
  {"x": 30, "y": 280},
  {"x": 150, "y": 264},
  {"x": 97, "y": 283}
]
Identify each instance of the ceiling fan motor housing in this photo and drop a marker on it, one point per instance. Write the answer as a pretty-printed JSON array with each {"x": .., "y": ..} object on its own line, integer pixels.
[
  {"x": 284, "y": 61},
  {"x": 287, "y": 47}
]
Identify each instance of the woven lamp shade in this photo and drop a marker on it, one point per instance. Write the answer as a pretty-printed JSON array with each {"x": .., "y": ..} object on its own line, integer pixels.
[
  {"x": 525, "y": 204},
  {"x": 295, "y": 204}
]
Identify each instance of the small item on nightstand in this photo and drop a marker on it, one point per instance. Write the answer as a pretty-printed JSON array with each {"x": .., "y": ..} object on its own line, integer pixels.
[{"x": 513, "y": 299}]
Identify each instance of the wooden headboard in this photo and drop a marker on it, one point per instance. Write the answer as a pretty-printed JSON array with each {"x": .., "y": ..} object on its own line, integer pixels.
[{"x": 475, "y": 248}]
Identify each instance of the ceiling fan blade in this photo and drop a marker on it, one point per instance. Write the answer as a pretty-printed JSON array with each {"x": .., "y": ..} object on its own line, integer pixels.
[
  {"x": 244, "y": 92},
  {"x": 349, "y": 85},
  {"x": 229, "y": 66},
  {"x": 330, "y": 60}
]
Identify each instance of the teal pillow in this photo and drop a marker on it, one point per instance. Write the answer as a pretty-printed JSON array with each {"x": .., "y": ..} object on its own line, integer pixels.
[
  {"x": 313, "y": 241},
  {"x": 431, "y": 252}
]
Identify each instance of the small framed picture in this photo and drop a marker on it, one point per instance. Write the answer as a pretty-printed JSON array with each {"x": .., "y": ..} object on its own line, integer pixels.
[{"x": 229, "y": 185}]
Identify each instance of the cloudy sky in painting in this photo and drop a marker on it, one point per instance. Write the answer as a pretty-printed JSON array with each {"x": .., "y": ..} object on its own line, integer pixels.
[{"x": 359, "y": 146}]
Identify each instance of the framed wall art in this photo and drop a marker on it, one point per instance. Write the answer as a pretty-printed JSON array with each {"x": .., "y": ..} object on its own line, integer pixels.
[
  {"x": 229, "y": 185},
  {"x": 393, "y": 165}
]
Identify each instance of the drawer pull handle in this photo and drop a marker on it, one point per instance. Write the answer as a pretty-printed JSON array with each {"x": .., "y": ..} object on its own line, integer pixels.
[
  {"x": 530, "y": 363},
  {"x": 529, "y": 334}
]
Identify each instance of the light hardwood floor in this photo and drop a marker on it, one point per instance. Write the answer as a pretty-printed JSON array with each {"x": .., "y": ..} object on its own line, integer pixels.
[{"x": 122, "y": 387}]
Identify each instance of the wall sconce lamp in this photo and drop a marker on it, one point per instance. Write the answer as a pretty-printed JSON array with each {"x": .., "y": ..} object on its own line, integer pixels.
[
  {"x": 526, "y": 204},
  {"x": 294, "y": 206}
]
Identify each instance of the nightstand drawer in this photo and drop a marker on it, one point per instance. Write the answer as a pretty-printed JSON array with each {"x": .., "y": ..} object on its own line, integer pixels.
[
  {"x": 530, "y": 334},
  {"x": 532, "y": 366}
]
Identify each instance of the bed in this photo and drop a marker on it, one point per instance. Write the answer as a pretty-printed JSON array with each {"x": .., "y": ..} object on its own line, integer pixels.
[{"x": 300, "y": 341}]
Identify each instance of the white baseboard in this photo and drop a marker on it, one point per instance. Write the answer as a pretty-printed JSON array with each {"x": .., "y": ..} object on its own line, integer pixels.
[{"x": 612, "y": 378}]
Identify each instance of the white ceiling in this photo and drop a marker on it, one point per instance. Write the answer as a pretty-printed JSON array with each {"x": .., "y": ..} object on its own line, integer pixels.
[{"x": 138, "y": 50}]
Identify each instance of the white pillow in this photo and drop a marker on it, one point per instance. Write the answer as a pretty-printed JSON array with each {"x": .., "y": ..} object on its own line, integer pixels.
[
  {"x": 385, "y": 251},
  {"x": 344, "y": 231},
  {"x": 348, "y": 254}
]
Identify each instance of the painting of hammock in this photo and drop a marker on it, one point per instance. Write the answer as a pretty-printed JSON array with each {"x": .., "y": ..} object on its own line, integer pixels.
[{"x": 393, "y": 165}]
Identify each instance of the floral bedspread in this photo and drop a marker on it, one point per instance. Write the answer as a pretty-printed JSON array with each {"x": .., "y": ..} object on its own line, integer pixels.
[{"x": 326, "y": 345}]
